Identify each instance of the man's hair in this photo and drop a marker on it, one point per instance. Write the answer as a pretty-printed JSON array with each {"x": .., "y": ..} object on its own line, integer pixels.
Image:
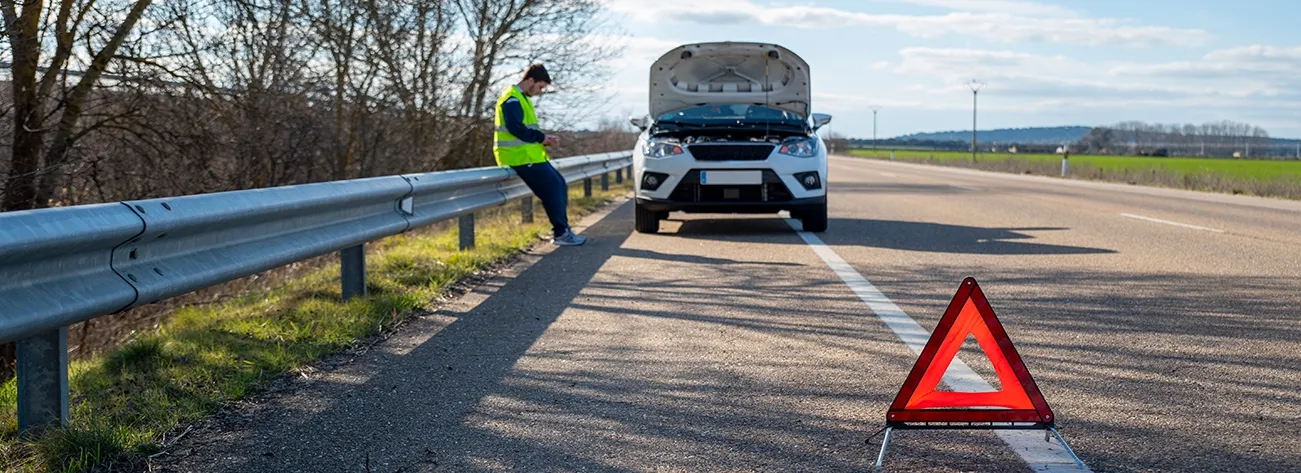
[{"x": 538, "y": 73}]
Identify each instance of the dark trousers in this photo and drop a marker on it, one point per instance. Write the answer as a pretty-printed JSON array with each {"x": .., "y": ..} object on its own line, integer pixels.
[{"x": 547, "y": 183}]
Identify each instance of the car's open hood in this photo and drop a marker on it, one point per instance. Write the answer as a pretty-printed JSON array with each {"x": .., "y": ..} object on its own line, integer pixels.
[{"x": 729, "y": 73}]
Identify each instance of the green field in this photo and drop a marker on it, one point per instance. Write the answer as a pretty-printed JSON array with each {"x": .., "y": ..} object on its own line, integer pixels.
[
  {"x": 1255, "y": 169},
  {"x": 1278, "y": 178}
]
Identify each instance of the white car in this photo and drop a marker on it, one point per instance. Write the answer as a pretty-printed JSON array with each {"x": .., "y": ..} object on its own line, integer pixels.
[{"x": 730, "y": 131}]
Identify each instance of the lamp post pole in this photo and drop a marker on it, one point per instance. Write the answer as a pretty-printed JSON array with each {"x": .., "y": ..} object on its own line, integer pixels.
[
  {"x": 975, "y": 87},
  {"x": 874, "y": 109}
]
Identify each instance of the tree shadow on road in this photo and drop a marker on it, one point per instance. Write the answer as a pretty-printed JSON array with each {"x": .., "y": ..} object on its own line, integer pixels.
[
  {"x": 942, "y": 238},
  {"x": 889, "y": 234},
  {"x": 694, "y": 259}
]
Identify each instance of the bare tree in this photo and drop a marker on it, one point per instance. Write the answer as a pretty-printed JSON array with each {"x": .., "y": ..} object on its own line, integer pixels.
[
  {"x": 413, "y": 47},
  {"x": 34, "y": 169},
  {"x": 1224, "y": 138}
]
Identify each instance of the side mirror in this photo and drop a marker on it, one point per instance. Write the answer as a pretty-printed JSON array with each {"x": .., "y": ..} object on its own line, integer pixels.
[
  {"x": 820, "y": 120},
  {"x": 639, "y": 122}
]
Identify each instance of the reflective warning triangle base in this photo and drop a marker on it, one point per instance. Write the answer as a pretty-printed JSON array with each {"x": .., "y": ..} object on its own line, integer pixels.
[{"x": 1018, "y": 405}]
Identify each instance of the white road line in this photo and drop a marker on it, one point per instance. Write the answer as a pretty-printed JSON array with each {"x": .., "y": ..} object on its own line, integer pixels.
[
  {"x": 1028, "y": 444},
  {"x": 1167, "y": 222}
]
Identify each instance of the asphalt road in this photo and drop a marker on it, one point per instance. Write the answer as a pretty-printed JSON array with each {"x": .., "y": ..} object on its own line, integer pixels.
[{"x": 1161, "y": 325}]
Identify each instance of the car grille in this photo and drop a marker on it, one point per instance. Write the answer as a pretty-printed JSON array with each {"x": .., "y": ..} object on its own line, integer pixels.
[
  {"x": 690, "y": 190},
  {"x": 712, "y": 152}
]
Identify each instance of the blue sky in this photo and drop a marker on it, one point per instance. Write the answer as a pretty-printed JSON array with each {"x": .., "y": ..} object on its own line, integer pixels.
[{"x": 1045, "y": 63}]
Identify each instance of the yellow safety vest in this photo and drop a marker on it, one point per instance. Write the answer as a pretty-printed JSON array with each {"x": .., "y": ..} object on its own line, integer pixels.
[{"x": 508, "y": 149}]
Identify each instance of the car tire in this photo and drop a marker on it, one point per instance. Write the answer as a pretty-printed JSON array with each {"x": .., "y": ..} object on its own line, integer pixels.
[
  {"x": 814, "y": 219},
  {"x": 646, "y": 221}
]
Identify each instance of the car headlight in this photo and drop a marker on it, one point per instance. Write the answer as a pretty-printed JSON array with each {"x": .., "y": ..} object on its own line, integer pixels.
[
  {"x": 661, "y": 149},
  {"x": 800, "y": 147}
]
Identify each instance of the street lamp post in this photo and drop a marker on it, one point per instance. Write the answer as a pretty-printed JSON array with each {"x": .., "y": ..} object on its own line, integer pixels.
[
  {"x": 874, "y": 109},
  {"x": 975, "y": 87}
]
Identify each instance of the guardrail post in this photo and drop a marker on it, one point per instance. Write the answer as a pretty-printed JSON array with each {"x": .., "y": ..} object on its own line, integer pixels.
[
  {"x": 353, "y": 271},
  {"x": 618, "y": 176},
  {"x": 587, "y": 187},
  {"x": 526, "y": 209},
  {"x": 42, "y": 382},
  {"x": 466, "y": 223},
  {"x": 605, "y": 181}
]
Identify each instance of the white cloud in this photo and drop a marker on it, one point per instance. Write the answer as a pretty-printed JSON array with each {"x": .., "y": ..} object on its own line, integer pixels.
[
  {"x": 638, "y": 53},
  {"x": 857, "y": 102},
  {"x": 1016, "y": 7},
  {"x": 1255, "y": 81},
  {"x": 1233, "y": 81},
  {"x": 997, "y": 25},
  {"x": 628, "y": 87},
  {"x": 968, "y": 63},
  {"x": 1251, "y": 63}
]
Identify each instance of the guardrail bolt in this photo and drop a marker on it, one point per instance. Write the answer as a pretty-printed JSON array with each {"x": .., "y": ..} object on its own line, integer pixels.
[
  {"x": 42, "y": 382},
  {"x": 466, "y": 225},
  {"x": 605, "y": 181},
  {"x": 587, "y": 187},
  {"x": 526, "y": 209},
  {"x": 352, "y": 270},
  {"x": 618, "y": 176}
]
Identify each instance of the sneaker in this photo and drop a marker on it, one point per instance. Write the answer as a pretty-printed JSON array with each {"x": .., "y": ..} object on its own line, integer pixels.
[{"x": 569, "y": 239}]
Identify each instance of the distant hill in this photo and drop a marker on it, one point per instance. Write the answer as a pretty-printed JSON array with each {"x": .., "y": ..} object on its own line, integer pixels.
[{"x": 1040, "y": 135}]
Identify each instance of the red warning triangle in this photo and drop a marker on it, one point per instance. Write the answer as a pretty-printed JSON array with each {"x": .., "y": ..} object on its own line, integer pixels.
[{"x": 969, "y": 314}]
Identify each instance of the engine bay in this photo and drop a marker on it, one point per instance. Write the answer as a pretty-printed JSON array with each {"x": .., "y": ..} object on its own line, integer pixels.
[{"x": 756, "y": 135}]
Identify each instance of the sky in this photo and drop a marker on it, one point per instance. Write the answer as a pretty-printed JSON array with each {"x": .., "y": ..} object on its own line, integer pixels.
[{"x": 1044, "y": 63}]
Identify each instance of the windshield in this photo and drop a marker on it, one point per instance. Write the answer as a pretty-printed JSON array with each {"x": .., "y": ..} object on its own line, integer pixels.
[{"x": 732, "y": 114}]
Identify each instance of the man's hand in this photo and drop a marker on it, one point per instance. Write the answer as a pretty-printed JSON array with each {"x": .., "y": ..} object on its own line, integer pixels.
[{"x": 551, "y": 141}]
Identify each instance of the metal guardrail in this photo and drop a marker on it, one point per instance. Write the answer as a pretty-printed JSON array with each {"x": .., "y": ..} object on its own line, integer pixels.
[{"x": 66, "y": 265}]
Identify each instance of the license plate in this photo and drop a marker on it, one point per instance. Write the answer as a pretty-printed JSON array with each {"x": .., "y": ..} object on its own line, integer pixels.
[{"x": 731, "y": 178}]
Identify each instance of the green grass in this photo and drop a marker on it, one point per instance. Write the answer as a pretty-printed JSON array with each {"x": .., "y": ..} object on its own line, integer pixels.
[
  {"x": 201, "y": 358},
  {"x": 1278, "y": 178}
]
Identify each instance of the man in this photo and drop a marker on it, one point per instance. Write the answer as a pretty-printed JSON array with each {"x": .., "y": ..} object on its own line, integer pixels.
[{"x": 519, "y": 145}]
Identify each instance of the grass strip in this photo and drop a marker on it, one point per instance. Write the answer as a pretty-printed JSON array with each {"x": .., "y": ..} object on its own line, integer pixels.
[{"x": 201, "y": 358}]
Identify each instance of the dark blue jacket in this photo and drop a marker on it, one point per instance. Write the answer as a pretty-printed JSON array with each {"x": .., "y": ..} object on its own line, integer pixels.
[{"x": 514, "y": 118}]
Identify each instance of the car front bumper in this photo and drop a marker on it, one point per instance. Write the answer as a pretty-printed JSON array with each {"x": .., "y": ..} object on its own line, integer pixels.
[{"x": 794, "y": 206}]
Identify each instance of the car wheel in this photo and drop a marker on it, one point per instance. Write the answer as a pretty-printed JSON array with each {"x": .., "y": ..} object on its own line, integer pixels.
[
  {"x": 815, "y": 219},
  {"x": 646, "y": 221}
]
